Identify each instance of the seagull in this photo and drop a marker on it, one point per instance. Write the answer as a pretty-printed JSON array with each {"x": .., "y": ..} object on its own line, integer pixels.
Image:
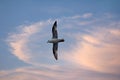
[{"x": 55, "y": 40}]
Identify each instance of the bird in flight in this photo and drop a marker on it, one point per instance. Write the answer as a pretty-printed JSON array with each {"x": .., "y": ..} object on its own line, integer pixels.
[{"x": 55, "y": 40}]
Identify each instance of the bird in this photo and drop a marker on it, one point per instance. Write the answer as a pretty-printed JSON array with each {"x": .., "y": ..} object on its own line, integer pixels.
[{"x": 55, "y": 40}]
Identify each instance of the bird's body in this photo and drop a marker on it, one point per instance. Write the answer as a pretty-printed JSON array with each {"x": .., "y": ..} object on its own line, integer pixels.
[{"x": 55, "y": 40}]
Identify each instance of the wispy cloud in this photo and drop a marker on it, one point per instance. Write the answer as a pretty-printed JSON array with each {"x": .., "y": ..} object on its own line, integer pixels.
[
  {"x": 90, "y": 50},
  {"x": 97, "y": 51},
  {"x": 86, "y": 15},
  {"x": 20, "y": 39},
  {"x": 62, "y": 73}
]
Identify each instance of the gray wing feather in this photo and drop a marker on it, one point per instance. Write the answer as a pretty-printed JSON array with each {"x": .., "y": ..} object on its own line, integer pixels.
[
  {"x": 55, "y": 48},
  {"x": 54, "y": 30}
]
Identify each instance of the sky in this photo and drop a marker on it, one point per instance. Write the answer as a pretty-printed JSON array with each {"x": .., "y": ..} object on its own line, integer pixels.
[{"x": 91, "y": 29}]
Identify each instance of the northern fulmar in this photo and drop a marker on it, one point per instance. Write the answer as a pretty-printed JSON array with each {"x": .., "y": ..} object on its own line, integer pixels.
[{"x": 55, "y": 40}]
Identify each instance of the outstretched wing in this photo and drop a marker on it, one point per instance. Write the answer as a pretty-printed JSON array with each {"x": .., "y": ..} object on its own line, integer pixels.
[
  {"x": 54, "y": 30},
  {"x": 55, "y": 48}
]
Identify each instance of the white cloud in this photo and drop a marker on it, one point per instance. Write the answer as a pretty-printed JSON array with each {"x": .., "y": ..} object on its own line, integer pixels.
[
  {"x": 87, "y": 51},
  {"x": 98, "y": 51},
  {"x": 63, "y": 73},
  {"x": 87, "y": 15},
  {"x": 19, "y": 40}
]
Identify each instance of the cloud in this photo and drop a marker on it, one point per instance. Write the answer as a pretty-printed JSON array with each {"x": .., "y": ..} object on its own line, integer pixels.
[
  {"x": 98, "y": 51},
  {"x": 20, "y": 39},
  {"x": 24, "y": 40},
  {"x": 86, "y": 15},
  {"x": 61, "y": 73},
  {"x": 90, "y": 50}
]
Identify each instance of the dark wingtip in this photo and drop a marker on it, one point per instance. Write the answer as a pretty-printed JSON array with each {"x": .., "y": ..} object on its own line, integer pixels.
[
  {"x": 55, "y": 23},
  {"x": 63, "y": 40},
  {"x": 56, "y": 57}
]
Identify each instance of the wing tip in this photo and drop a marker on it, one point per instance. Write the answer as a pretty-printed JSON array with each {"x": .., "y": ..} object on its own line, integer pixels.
[
  {"x": 55, "y": 23},
  {"x": 56, "y": 56}
]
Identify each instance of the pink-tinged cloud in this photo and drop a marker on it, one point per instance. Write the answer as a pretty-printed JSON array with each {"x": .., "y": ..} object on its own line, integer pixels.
[
  {"x": 63, "y": 73},
  {"x": 88, "y": 53},
  {"x": 18, "y": 41},
  {"x": 98, "y": 51}
]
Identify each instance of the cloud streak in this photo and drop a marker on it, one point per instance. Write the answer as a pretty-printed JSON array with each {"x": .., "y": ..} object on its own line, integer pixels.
[
  {"x": 50, "y": 74},
  {"x": 90, "y": 51},
  {"x": 98, "y": 51},
  {"x": 18, "y": 41}
]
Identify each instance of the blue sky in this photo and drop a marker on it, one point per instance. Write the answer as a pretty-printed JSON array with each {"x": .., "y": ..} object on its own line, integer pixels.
[{"x": 91, "y": 30}]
